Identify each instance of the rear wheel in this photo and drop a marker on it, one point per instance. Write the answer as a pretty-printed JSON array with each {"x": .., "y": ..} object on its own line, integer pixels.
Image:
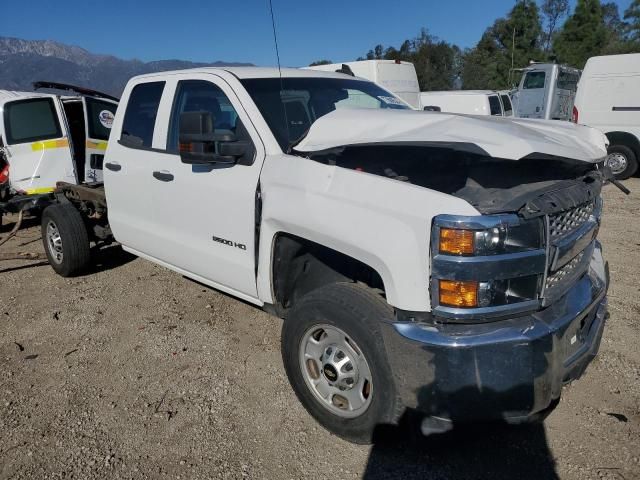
[
  {"x": 336, "y": 362},
  {"x": 622, "y": 161},
  {"x": 65, "y": 238}
]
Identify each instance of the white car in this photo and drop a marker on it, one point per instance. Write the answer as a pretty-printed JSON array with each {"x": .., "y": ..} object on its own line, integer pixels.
[
  {"x": 443, "y": 263},
  {"x": 472, "y": 102},
  {"x": 609, "y": 99}
]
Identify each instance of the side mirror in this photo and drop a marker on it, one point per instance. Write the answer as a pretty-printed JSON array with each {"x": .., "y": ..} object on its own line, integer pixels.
[
  {"x": 199, "y": 144},
  {"x": 432, "y": 108}
]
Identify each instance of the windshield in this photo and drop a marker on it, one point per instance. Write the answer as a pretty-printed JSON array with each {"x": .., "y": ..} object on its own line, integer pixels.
[{"x": 291, "y": 107}]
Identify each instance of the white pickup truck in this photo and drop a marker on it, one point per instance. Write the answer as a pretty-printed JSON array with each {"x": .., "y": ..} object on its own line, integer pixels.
[{"x": 421, "y": 261}]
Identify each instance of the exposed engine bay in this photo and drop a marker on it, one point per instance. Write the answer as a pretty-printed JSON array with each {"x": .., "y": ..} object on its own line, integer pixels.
[{"x": 532, "y": 186}]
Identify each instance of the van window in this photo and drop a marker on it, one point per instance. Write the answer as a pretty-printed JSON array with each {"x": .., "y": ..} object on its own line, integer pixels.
[
  {"x": 534, "y": 80},
  {"x": 31, "y": 120},
  {"x": 140, "y": 116},
  {"x": 506, "y": 102},
  {"x": 200, "y": 96},
  {"x": 567, "y": 80},
  {"x": 494, "y": 105},
  {"x": 99, "y": 118}
]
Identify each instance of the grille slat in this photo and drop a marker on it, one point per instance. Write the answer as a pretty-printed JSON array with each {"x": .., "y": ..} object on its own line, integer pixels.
[{"x": 560, "y": 225}]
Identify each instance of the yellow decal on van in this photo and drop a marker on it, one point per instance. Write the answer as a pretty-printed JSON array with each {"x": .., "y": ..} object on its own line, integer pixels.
[
  {"x": 96, "y": 145},
  {"x": 47, "y": 144},
  {"x": 35, "y": 191}
]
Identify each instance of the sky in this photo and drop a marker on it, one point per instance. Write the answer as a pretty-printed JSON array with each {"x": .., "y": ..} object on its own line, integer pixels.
[{"x": 241, "y": 31}]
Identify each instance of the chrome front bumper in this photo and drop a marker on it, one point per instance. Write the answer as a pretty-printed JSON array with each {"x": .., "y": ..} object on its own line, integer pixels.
[{"x": 509, "y": 369}]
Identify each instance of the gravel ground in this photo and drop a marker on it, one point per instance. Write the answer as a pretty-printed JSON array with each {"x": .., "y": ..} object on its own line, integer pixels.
[{"x": 135, "y": 372}]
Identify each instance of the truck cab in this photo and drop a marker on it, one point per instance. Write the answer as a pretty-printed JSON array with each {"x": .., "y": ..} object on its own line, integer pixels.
[
  {"x": 546, "y": 91},
  {"x": 46, "y": 138},
  {"x": 421, "y": 261}
]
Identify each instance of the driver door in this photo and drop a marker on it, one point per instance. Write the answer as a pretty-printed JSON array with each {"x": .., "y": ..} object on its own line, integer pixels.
[{"x": 207, "y": 212}]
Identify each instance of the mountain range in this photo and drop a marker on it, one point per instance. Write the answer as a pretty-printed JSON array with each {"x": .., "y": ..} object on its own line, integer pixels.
[{"x": 24, "y": 61}]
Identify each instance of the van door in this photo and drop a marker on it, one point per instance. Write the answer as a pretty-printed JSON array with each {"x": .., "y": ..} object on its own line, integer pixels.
[
  {"x": 37, "y": 145},
  {"x": 99, "y": 115},
  {"x": 207, "y": 213},
  {"x": 532, "y": 94}
]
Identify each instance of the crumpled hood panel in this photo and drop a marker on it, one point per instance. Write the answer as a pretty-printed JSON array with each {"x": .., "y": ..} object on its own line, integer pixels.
[{"x": 498, "y": 137}]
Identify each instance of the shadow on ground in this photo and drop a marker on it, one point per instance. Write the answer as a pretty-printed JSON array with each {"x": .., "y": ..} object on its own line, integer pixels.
[
  {"x": 485, "y": 451},
  {"x": 109, "y": 257}
]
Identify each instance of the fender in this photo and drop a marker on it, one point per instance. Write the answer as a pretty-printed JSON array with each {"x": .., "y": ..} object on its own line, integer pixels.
[{"x": 380, "y": 222}]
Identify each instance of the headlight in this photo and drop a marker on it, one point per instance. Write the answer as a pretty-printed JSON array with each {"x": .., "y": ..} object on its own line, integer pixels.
[{"x": 485, "y": 265}]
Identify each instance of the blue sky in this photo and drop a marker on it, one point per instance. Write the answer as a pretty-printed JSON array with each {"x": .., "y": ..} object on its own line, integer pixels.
[{"x": 241, "y": 30}]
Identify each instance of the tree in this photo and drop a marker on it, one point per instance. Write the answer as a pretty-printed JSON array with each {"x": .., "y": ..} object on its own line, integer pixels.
[
  {"x": 510, "y": 42},
  {"x": 583, "y": 35},
  {"x": 320, "y": 62},
  {"x": 553, "y": 11},
  {"x": 632, "y": 16}
]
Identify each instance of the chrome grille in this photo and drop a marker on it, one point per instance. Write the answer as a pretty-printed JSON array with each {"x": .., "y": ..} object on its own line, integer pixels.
[
  {"x": 555, "y": 280},
  {"x": 566, "y": 222}
]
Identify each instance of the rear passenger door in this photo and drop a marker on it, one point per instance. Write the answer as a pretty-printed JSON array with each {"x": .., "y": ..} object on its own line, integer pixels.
[
  {"x": 99, "y": 115},
  {"x": 128, "y": 167},
  {"x": 37, "y": 146},
  {"x": 207, "y": 213}
]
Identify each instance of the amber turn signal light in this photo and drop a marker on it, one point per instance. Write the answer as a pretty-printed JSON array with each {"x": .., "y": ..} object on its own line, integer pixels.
[
  {"x": 456, "y": 242},
  {"x": 458, "y": 294}
]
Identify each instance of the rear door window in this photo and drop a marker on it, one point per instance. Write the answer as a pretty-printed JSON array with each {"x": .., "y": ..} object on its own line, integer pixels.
[
  {"x": 31, "y": 120},
  {"x": 140, "y": 116},
  {"x": 506, "y": 102},
  {"x": 534, "y": 80},
  {"x": 494, "y": 105},
  {"x": 100, "y": 118},
  {"x": 567, "y": 80}
]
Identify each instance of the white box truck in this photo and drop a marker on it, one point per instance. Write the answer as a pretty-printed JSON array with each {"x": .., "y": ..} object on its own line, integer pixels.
[
  {"x": 397, "y": 76},
  {"x": 609, "y": 99}
]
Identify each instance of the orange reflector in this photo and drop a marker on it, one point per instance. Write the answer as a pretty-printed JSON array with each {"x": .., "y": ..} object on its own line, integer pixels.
[
  {"x": 458, "y": 294},
  {"x": 186, "y": 147},
  {"x": 456, "y": 242}
]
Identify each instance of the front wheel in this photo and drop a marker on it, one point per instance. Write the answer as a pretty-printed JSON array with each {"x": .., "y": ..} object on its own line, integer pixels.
[
  {"x": 622, "y": 161},
  {"x": 65, "y": 238},
  {"x": 336, "y": 362}
]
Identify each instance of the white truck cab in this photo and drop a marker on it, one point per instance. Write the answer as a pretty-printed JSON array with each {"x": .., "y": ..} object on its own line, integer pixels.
[
  {"x": 546, "y": 91},
  {"x": 48, "y": 138},
  {"x": 608, "y": 99},
  {"x": 471, "y": 102},
  {"x": 420, "y": 260}
]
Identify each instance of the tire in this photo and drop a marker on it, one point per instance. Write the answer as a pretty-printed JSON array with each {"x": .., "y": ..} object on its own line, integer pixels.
[
  {"x": 622, "y": 160},
  {"x": 65, "y": 239},
  {"x": 354, "y": 312}
]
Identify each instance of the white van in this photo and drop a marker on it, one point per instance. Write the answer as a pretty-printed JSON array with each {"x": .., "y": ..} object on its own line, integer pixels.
[
  {"x": 396, "y": 76},
  {"x": 609, "y": 99},
  {"x": 546, "y": 91},
  {"x": 472, "y": 102},
  {"x": 47, "y": 138}
]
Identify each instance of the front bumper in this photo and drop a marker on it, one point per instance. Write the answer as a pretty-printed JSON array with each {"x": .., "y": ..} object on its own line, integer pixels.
[{"x": 510, "y": 369}]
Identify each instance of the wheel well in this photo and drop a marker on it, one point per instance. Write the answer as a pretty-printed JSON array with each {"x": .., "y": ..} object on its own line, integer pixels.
[
  {"x": 300, "y": 266},
  {"x": 626, "y": 139}
]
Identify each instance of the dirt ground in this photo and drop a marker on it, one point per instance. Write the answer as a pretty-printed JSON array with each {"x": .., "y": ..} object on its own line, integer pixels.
[{"x": 133, "y": 371}]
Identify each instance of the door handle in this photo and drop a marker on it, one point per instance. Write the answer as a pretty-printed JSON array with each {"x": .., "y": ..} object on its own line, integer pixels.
[
  {"x": 114, "y": 167},
  {"x": 163, "y": 176}
]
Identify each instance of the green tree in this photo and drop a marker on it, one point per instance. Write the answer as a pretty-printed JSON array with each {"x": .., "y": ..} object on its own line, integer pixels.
[
  {"x": 632, "y": 16},
  {"x": 320, "y": 62},
  {"x": 583, "y": 35},
  {"x": 553, "y": 11},
  {"x": 510, "y": 42}
]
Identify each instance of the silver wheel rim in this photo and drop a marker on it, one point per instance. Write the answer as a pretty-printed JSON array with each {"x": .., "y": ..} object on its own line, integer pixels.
[
  {"x": 617, "y": 162},
  {"x": 54, "y": 242},
  {"x": 336, "y": 371}
]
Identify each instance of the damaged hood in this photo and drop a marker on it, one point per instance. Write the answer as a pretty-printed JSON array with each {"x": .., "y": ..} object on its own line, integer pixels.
[{"x": 498, "y": 137}]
